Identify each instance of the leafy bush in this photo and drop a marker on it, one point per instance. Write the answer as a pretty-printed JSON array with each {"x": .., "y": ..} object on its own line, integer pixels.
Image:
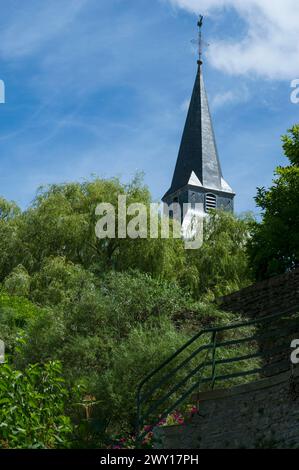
[
  {"x": 18, "y": 282},
  {"x": 134, "y": 298},
  {"x": 85, "y": 317},
  {"x": 32, "y": 407},
  {"x": 15, "y": 316},
  {"x": 144, "y": 349}
]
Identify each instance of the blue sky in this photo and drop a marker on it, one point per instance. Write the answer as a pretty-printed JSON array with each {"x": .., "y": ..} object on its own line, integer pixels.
[{"x": 102, "y": 87}]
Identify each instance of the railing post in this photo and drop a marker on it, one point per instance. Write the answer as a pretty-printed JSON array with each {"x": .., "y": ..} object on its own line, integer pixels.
[{"x": 214, "y": 341}]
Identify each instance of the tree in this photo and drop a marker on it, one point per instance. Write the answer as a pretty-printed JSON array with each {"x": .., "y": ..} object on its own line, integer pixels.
[
  {"x": 61, "y": 222},
  {"x": 11, "y": 250},
  {"x": 274, "y": 247},
  {"x": 220, "y": 266}
]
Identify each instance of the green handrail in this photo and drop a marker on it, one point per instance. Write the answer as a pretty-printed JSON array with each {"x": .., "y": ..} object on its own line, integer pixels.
[{"x": 146, "y": 398}]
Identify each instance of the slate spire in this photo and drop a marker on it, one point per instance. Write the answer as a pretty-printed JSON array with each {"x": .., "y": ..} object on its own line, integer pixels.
[{"x": 198, "y": 167}]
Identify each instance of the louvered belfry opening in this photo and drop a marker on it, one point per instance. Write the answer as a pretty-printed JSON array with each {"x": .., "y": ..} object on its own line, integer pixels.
[{"x": 211, "y": 202}]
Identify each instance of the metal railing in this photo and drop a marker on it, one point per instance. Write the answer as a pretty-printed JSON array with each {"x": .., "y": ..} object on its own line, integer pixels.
[{"x": 230, "y": 354}]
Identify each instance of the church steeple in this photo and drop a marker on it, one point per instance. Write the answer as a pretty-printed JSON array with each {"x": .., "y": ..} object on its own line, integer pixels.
[{"x": 198, "y": 175}]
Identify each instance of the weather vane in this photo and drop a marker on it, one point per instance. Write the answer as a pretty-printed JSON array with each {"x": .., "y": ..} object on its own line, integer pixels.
[{"x": 199, "y": 42}]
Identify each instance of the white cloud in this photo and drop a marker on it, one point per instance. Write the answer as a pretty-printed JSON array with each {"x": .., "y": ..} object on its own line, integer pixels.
[
  {"x": 222, "y": 99},
  {"x": 270, "y": 47},
  {"x": 230, "y": 97}
]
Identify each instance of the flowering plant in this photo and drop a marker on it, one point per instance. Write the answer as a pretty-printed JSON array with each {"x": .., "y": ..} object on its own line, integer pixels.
[{"x": 176, "y": 418}]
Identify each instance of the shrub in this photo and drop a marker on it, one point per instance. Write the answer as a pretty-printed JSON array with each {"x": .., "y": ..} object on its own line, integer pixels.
[
  {"x": 32, "y": 411},
  {"x": 144, "y": 349},
  {"x": 15, "y": 316}
]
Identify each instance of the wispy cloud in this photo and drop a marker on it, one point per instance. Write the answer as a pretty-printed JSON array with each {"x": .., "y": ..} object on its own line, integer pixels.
[
  {"x": 230, "y": 97},
  {"x": 270, "y": 47}
]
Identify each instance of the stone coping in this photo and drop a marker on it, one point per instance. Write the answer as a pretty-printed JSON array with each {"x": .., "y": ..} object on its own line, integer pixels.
[
  {"x": 268, "y": 382},
  {"x": 249, "y": 387}
]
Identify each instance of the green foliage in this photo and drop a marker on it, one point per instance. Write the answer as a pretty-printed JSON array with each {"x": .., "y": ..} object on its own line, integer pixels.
[
  {"x": 61, "y": 223},
  {"x": 73, "y": 327},
  {"x": 15, "y": 316},
  {"x": 10, "y": 245},
  {"x": 108, "y": 310},
  {"x": 32, "y": 411},
  {"x": 291, "y": 145},
  {"x": 135, "y": 298},
  {"x": 99, "y": 328},
  {"x": 8, "y": 210},
  {"x": 86, "y": 317},
  {"x": 274, "y": 247},
  {"x": 220, "y": 266},
  {"x": 61, "y": 282},
  {"x": 139, "y": 354},
  {"x": 18, "y": 282}
]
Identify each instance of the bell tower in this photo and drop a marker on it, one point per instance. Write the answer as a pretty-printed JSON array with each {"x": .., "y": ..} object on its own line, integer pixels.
[{"x": 198, "y": 177}]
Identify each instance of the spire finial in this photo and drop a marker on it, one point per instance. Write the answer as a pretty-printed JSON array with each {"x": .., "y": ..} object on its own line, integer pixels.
[
  {"x": 199, "y": 41},
  {"x": 200, "y": 44}
]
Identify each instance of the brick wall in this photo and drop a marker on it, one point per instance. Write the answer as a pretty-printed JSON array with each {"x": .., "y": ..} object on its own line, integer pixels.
[
  {"x": 278, "y": 294},
  {"x": 263, "y": 414}
]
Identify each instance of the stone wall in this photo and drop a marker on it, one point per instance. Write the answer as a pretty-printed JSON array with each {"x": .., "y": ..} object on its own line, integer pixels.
[
  {"x": 263, "y": 414},
  {"x": 278, "y": 294}
]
